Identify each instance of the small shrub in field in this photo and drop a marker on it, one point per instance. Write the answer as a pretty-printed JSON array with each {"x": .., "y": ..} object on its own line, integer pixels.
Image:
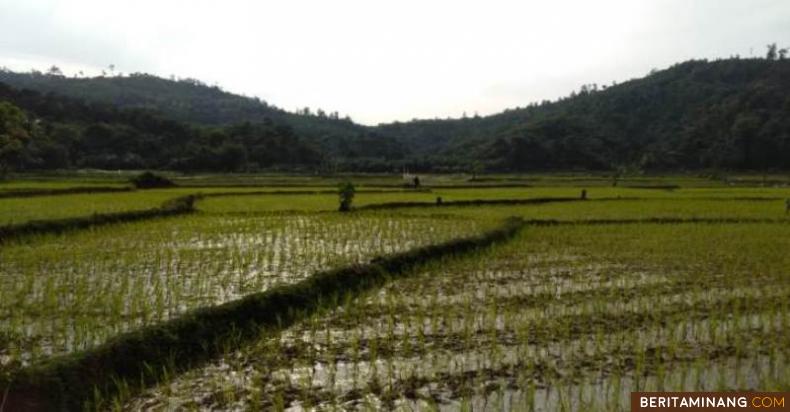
[
  {"x": 346, "y": 191},
  {"x": 148, "y": 180}
]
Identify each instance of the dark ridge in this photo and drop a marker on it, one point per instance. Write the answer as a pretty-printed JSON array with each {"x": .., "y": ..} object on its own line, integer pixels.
[
  {"x": 482, "y": 186},
  {"x": 657, "y": 187},
  {"x": 542, "y": 200},
  {"x": 299, "y": 192},
  {"x": 139, "y": 358},
  {"x": 397, "y": 185},
  {"x": 651, "y": 220},
  {"x": 741, "y": 198},
  {"x": 488, "y": 202},
  {"x": 149, "y": 180},
  {"x": 177, "y": 206},
  {"x": 474, "y": 202},
  {"x": 66, "y": 191}
]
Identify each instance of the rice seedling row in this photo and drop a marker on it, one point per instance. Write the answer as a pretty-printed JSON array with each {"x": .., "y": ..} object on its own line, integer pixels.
[
  {"x": 541, "y": 321},
  {"x": 21, "y": 210},
  {"x": 562, "y": 318},
  {"x": 71, "y": 292}
]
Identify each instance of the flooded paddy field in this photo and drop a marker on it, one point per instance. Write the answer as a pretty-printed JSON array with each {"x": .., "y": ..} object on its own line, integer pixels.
[
  {"x": 70, "y": 292},
  {"x": 632, "y": 289},
  {"x": 560, "y": 318}
]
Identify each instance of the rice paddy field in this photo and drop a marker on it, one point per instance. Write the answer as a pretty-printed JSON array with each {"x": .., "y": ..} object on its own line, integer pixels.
[
  {"x": 633, "y": 289},
  {"x": 70, "y": 293},
  {"x": 15, "y": 210}
]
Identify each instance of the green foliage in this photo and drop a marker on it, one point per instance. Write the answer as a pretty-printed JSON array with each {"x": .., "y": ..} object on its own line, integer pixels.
[
  {"x": 13, "y": 136},
  {"x": 191, "y": 101},
  {"x": 346, "y": 192},
  {"x": 695, "y": 115},
  {"x": 772, "y": 52},
  {"x": 71, "y": 133},
  {"x": 148, "y": 180}
]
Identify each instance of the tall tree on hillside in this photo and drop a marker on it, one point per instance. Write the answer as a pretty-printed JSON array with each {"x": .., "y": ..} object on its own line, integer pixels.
[
  {"x": 744, "y": 130},
  {"x": 772, "y": 52},
  {"x": 13, "y": 136},
  {"x": 55, "y": 71}
]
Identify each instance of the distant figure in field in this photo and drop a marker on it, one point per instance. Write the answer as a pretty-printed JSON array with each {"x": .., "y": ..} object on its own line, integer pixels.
[
  {"x": 438, "y": 200},
  {"x": 416, "y": 182},
  {"x": 584, "y": 194}
]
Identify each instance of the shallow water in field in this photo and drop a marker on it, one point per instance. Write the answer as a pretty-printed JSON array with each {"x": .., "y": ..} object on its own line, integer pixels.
[
  {"x": 73, "y": 291},
  {"x": 572, "y": 316},
  {"x": 515, "y": 328}
]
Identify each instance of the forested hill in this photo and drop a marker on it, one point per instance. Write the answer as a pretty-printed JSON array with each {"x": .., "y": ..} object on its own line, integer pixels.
[
  {"x": 698, "y": 114},
  {"x": 48, "y": 131},
  {"x": 345, "y": 143},
  {"x": 186, "y": 100},
  {"x": 728, "y": 114}
]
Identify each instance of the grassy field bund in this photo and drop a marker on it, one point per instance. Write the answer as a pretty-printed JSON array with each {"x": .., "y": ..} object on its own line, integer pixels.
[{"x": 513, "y": 293}]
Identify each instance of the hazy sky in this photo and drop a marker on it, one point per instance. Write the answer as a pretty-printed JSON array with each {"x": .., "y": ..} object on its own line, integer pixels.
[{"x": 380, "y": 61}]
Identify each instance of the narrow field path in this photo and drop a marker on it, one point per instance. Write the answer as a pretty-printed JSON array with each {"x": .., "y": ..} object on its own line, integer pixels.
[{"x": 16, "y": 193}]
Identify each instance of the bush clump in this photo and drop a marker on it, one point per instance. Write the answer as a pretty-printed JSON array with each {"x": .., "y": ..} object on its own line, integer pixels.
[
  {"x": 148, "y": 180},
  {"x": 346, "y": 192}
]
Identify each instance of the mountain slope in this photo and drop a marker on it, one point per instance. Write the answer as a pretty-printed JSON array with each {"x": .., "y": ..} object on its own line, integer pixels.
[
  {"x": 191, "y": 101},
  {"x": 186, "y": 100},
  {"x": 695, "y": 115},
  {"x": 48, "y": 131}
]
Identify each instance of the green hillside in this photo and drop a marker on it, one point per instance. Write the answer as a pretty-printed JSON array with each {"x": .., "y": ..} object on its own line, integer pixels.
[
  {"x": 724, "y": 114},
  {"x": 694, "y": 115}
]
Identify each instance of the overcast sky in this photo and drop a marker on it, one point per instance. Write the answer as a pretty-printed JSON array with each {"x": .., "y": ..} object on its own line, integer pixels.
[{"x": 379, "y": 61}]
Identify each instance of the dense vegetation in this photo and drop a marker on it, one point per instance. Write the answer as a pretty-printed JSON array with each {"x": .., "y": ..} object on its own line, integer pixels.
[
  {"x": 726, "y": 114},
  {"x": 47, "y": 131},
  {"x": 696, "y": 115},
  {"x": 274, "y": 131}
]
